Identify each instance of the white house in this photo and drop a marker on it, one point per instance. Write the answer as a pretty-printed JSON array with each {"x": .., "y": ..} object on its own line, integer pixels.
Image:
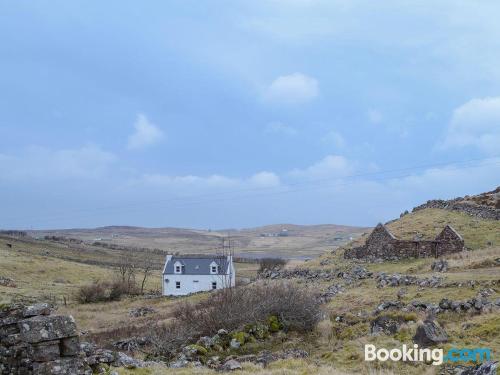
[{"x": 190, "y": 274}]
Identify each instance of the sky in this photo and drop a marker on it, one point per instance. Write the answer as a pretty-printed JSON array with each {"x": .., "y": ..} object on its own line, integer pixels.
[{"x": 230, "y": 114}]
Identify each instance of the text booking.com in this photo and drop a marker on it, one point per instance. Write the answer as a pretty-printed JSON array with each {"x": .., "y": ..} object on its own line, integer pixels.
[{"x": 413, "y": 353}]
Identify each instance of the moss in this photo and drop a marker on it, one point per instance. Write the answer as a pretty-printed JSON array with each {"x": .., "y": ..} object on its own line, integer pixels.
[
  {"x": 404, "y": 335},
  {"x": 199, "y": 349},
  {"x": 274, "y": 324},
  {"x": 402, "y": 316},
  {"x": 258, "y": 330},
  {"x": 241, "y": 337},
  {"x": 488, "y": 329},
  {"x": 344, "y": 332}
]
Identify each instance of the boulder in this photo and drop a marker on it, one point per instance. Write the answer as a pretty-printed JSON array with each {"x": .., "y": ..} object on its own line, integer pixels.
[
  {"x": 37, "y": 309},
  {"x": 487, "y": 368},
  {"x": 430, "y": 333},
  {"x": 44, "y": 351},
  {"x": 234, "y": 344},
  {"x": 64, "y": 366},
  {"x": 70, "y": 346},
  {"x": 384, "y": 324},
  {"x": 123, "y": 360},
  {"x": 231, "y": 365},
  {"x": 141, "y": 311},
  {"x": 440, "y": 265},
  {"x": 46, "y": 328}
]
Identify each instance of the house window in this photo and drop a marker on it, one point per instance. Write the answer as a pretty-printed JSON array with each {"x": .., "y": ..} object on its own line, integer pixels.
[
  {"x": 214, "y": 285},
  {"x": 177, "y": 285},
  {"x": 214, "y": 269},
  {"x": 177, "y": 269}
]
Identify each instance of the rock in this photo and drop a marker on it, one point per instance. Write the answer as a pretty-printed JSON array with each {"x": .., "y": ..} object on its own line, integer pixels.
[
  {"x": 70, "y": 346},
  {"x": 141, "y": 311},
  {"x": 87, "y": 348},
  {"x": 384, "y": 324},
  {"x": 430, "y": 333},
  {"x": 44, "y": 351},
  {"x": 46, "y": 328},
  {"x": 180, "y": 362},
  {"x": 64, "y": 366},
  {"x": 445, "y": 304},
  {"x": 231, "y": 365},
  {"x": 440, "y": 265},
  {"x": 5, "y": 281},
  {"x": 205, "y": 341},
  {"x": 37, "y": 309},
  {"x": 487, "y": 368},
  {"x": 131, "y": 344},
  {"x": 101, "y": 356},
  {"x": 247, "y": 358},
  {"x": 123, "y": 360},
  {"x": 234, "y": 344},
  {"x": 389, "y": 305}
]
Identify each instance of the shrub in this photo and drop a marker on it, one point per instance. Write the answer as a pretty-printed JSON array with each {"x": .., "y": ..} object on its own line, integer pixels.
[
  {"x": 283, "y": 305},
  {"x": 270, "y": 263},
  {"x": 100, "y": 292}
]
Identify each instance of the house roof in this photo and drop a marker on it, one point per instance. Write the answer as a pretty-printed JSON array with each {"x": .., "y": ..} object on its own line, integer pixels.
[{"x": 197, "y": 265}]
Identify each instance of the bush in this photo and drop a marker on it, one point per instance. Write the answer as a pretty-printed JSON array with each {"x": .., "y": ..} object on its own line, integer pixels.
[
  {"x": 280, "y": 304},
  {"x": 100, "y": 292},
  {"x": 270, "y": 263}
]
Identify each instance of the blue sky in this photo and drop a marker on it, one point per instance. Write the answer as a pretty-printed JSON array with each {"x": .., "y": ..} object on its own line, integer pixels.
[{"x": 241, "y": 113}]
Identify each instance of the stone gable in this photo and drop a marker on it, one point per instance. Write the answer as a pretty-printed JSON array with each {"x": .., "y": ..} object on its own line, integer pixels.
[{"x": 382, "y": 244}]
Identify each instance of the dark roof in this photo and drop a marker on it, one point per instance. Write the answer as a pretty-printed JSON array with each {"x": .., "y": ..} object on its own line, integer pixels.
[{"x": 197, "y": 265}]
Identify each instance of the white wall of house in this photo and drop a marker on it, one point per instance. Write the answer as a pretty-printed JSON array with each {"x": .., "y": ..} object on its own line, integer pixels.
[{"x": 194, "y": 283}]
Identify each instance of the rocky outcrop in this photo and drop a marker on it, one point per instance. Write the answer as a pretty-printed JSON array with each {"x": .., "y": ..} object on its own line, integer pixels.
[
  {"x": 34, "y": 342},
  {"x": 480, "y": 211},
  {"x": 430, "y": 333},
  {"x": 440, "y": 265}
]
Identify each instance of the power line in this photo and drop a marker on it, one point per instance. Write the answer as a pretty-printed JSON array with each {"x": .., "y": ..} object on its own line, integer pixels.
[{"x": 262, "y": 191}]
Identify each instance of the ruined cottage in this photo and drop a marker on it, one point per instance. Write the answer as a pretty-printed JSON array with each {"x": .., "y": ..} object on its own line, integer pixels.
[{"x": 382, "y": 244}]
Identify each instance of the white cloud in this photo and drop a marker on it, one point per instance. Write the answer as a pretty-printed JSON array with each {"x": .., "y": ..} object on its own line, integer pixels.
[
  {"x": 330, "y": 167},
  {"x": 336, "y": 139},
  {"x": 264, "y": 179},
  {"x": 38, "y": 163},
  {"x": 280, "y": 128},
  {"x": 146, "y": 133},
  {"x": 292, "y": 89},
  {"x": 477, "y": 124}
]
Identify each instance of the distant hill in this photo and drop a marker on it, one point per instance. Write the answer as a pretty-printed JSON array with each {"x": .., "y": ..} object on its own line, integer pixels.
[{"x": 277, "y": 240}]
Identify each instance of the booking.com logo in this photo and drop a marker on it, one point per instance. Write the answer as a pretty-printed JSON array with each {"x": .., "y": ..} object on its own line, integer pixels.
[{"x": 435, "y": 356}]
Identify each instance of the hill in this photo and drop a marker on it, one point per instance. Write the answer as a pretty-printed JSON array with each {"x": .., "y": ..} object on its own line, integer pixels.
[
  {"x": 356, "y": 296},
  {"x": 280, "y": 240}
]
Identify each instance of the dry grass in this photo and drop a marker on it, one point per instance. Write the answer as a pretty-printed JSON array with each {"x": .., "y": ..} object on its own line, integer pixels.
[{"x": 284, "y": 367}]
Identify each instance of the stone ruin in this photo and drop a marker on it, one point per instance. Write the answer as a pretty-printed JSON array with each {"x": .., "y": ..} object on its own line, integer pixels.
[
  {"x": 34, "y": 342},
  {"x": 382, "y": 244}
]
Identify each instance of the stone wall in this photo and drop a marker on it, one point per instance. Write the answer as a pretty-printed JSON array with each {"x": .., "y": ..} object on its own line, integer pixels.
[
  {"x": 483, "y": 212},
  {"x": 382, "y": 244},
  {"x": 32, "y": 341}
]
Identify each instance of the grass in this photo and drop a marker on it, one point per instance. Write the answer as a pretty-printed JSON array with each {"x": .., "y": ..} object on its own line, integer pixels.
[
  {"x": 283, "y": 367},
  {"x": 332, "y": 351}
]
